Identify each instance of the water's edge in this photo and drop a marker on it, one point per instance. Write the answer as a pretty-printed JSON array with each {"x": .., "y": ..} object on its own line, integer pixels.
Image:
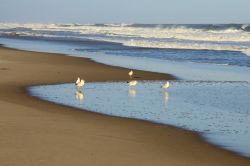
[
  {"x": 96, "y": 60},
  {"x": 203, "y": 138}
]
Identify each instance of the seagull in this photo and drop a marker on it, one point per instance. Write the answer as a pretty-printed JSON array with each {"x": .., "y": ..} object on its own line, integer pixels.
[
  {"x": 132, "y": 83},
  {"x": 79, "y": 83},
  {"x": 166, "y": 85},
  {"x": 130, "y": 73},
  {"x": 78, "y": 80}
]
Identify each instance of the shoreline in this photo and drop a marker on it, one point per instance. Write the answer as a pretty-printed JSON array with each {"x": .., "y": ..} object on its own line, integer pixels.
[{"x": 127, "y": 141}]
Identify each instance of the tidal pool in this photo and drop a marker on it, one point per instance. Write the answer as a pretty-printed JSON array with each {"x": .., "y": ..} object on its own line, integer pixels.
[{"x": 219, "y": 111}]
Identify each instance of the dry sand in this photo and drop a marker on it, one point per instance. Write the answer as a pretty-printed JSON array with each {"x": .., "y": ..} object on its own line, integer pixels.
[{"x": 35, "y": 132}]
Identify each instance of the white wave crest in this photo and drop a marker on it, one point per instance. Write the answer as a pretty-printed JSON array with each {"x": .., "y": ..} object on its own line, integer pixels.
[
  {"x": 177, "y": 32},
  {"x": 185, "y": 45},
  {"x": 245, "y": 26},
  {"x": 178, "y": 37}
]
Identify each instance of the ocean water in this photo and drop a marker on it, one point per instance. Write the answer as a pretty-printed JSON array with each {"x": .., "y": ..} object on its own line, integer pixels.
[
  {"x": 186, "y": 70},
  {"x": 212, "y": 63},
  {"x": 219, "y": 44},
  {"x": 219, "y": 111}
]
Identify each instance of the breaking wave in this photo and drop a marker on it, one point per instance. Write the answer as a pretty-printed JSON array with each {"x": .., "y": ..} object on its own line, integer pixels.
[{"x": 231, "y": 37}]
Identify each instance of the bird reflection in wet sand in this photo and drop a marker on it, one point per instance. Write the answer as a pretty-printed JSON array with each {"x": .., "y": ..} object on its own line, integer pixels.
[
  {"x": 132, "y": 92},
  {"x": 79, "y": 95},
  {"x": 165, "y": 98}
]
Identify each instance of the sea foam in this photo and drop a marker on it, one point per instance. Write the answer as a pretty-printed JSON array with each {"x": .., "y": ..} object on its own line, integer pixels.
[{"x": 231, "y": 37}]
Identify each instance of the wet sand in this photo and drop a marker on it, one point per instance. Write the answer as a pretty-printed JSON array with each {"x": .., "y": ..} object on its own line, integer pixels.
[{"x": 35, "y": 132}]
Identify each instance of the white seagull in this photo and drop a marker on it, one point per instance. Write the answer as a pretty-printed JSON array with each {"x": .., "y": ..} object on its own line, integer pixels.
[
  {"x": 79, "y": 83},
  {"x": 130, "y": 73},
  {"x": 132, "y": 83},
  {"x": 166, "y": 85}
]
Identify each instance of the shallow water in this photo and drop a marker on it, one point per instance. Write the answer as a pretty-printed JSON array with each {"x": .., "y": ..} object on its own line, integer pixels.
[
  {"x": 181, "y": 69},
  {"x": 220, "y": 111}
]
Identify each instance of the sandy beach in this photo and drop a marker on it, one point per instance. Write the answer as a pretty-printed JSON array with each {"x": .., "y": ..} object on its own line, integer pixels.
[{"x": 36, "y": 132}]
